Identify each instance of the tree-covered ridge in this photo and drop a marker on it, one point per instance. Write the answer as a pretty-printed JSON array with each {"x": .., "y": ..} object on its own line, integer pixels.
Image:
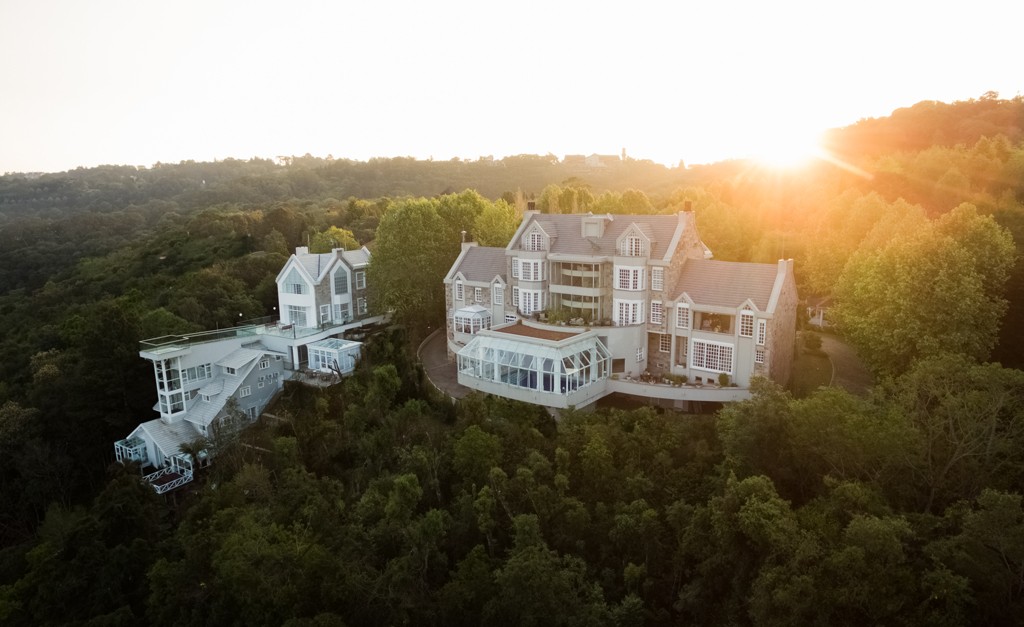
[
  {"x": 404, "y": 509},
  {"x": 374, "y": 503}
]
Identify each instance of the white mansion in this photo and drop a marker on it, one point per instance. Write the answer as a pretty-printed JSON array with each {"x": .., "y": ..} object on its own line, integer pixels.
[
  {"x": 320, "y": 296},
  {"x": 577, "y": 307}
]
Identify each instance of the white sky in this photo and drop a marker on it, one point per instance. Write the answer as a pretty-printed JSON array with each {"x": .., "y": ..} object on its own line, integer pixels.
[{"x": 88, "y": 82}]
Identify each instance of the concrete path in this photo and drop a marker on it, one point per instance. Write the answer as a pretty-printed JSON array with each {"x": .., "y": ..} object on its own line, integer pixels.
[
  {"x": 433, "y": 352},
  {"x": 848, "y": 371}
]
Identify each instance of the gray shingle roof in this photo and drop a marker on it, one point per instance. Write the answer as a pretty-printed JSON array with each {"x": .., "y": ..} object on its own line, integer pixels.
[
  {"x": 482, "y": 263},
  {"x": 169, "y": 437},
  {"x": 356, "y": 257},
  {"x": 314, "y": 263},
  {"x": 569, "y": 240},
  {"x": 726, "y": 283}
]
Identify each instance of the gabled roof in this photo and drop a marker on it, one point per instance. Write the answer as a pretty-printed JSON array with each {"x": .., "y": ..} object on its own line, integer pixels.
[
  {"x": 570, "y": 241},
  {"x": 169, "y": 437},
  {"x": 316, "y": 266},
  {"x": 356, "y": 258},
  {"x": 481, "y": 263},
  {"x": 726, "y": 283}
]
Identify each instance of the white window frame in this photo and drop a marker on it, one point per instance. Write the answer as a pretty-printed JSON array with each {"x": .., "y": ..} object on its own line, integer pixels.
[
  {"x": 510, "y": 318},
  {"x": 531, "y": 270},
  {"x": 709, "y": 356},
  {"x": 497, "y": 294},
  {"x": 325, "y": 314},
  {"x": 746, "y": 323},
  {"x": 683, "y": 317},
  {"x": 664, "y": 343},
  {"x": 629, "y": 278},
  {"x": 628, "y": 312},
  {"x": 531, "y": 301},
  {"x": 534, "y": 241},
  {"x": 478, "y": 294},
  {"x": 657, "y": 312},
  {"x": 295, "y": 312},
  {"x": 460, "y": 293},
  {"x": 515, "y": 267},
  {"x": 515, "y": 296},
  {"x": 759, "y": 355},
  {"x": 245, "y": 391},
  {"x": 632, "y": 246},
  {"x": 639, "y": 354},
  {"x": 762, "y": 332},
  {"x": 360, "y": 280},
  {"x": 361, "y": 304},
  {"x": 658, "y": 278},
  {"x": 264, "y": 364},
  {"x": 229, "y": 370}
]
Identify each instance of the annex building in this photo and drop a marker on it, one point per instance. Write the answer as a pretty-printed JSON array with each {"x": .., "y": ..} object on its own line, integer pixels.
[
  {"x": 577, "y": 307},
  {"x": 205, "y": 379}
]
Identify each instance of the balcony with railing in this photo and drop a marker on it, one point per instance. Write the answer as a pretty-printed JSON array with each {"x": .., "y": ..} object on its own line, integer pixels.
[{"x": 250, "y": 328}]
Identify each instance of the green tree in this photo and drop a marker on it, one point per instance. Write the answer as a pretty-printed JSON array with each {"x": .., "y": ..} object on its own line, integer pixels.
[
  {"x": 938, "y": 290},
  {"x": 496, "y": 224},
  {"x": 333, "y": 237}
]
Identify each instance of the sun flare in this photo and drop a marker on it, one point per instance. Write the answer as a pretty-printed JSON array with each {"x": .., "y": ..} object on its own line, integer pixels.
[{"x": 787, "y": 149}]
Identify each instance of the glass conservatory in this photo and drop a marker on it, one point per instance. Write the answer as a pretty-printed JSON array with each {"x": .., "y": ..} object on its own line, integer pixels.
[
  {"x": 326, "y": 355},
  {"x": 555, "y": 367},
  {"x": 471, "y": 320}
]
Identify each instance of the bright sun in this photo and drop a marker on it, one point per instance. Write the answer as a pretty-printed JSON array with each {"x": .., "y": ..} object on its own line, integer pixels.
[{"x": 787, "y": 148}]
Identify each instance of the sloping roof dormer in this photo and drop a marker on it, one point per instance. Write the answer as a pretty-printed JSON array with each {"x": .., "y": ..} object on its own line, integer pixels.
[
  {"x": 635, "y": 241},
  {"x": 537, "y": 237}
]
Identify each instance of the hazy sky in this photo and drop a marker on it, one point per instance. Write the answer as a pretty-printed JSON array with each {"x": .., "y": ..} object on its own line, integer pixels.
[{"x": 87, "y": 82}]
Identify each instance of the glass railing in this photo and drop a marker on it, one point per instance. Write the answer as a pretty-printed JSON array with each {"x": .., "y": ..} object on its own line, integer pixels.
[{"x": 249, "y": 328}]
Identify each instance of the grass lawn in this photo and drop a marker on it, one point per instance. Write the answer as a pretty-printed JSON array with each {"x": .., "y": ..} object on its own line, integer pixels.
[{"x": 810, "y": 371}]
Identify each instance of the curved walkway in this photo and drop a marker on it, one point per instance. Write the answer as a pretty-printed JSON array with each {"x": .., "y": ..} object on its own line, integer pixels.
[
  {"x": 433, "y": 353},
  {"x": 848, "y": 371}
]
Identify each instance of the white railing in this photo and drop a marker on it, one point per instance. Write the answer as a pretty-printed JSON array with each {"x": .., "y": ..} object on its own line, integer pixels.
[{"x": 186, "y": 476}]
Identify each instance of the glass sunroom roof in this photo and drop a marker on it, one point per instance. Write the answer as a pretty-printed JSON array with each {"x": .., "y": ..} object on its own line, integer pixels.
[
  {"x": 473, "y": 311},
  {"x": 490, "y": 348}
]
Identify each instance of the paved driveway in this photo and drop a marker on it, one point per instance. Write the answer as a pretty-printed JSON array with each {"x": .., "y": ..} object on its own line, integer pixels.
[
  {"x": 849, "y": 372},
  {"x": 433, "y": 353}
]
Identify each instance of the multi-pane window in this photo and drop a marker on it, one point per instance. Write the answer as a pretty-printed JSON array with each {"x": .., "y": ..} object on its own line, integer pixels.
[
  {"x": 361, "y": 304},
  {"x": 657, "y": 312},
  {"x": 478, "y": 294},
  {"x": 747, "y": 324},
  {"x": 297, "y": 315},
  {"x": 632, "y": 246},
  {"x": 197, "y": 373},
  {"x": 535, "y": 241},
  {"x": 293, "y": 283},
  {"x": 264, "y": 364},
  {"x": 360, "y": 280},
  {"x": 530, "y": 301},
  {"x": 639, "y": 354},
  {"x": 657, "y": 279},
  {"x": 459, "y": 294},
  {"x": 683, "y": 316},
  {"x": 515, "y": 267},
  {"x": 759, "y": 355},
  {"x": 340, "y": 281},
  {"x": 665, "y": 343},
  {"x": 531, "y": 269},
  {"x": 498, "y": 294},
  {"x": 629, "y": 279},
  {"x": 510, "y": 317},
  {"x": 515, "y": 296},
  {"x": 325, "y": 314},
  {"x": 246, "y": 391},
  {"x": 762, "y": 331},
  {"x": 713, "y": 356},
  {"x": 629, "y": 311}
]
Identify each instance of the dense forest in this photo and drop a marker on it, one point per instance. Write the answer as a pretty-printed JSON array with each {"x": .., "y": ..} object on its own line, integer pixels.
[{"x": 375, "y": 501}]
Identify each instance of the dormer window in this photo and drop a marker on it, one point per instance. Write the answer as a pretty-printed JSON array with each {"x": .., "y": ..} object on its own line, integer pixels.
[
  {"x": 633, "y": 246},
  {"x": 534, "y": 241}
]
